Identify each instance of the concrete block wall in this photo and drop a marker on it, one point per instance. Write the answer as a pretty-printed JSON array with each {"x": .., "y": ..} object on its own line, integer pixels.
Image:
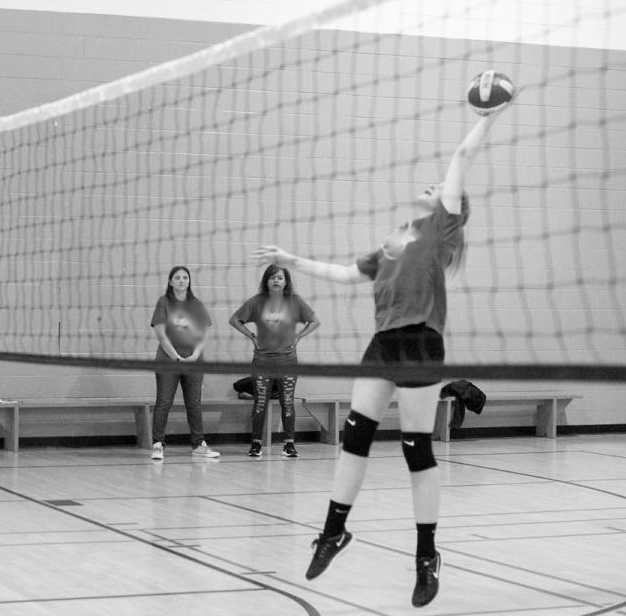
[{"x": 46, "y": 55}]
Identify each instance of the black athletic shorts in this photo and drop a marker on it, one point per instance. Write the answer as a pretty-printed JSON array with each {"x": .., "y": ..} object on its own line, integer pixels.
[{"x": 411, "y": 343}]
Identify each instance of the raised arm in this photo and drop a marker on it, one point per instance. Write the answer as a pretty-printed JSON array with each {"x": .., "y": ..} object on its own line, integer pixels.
[
  {"x": 318, "y": 269},
  {"x": 462, "y": 159}
]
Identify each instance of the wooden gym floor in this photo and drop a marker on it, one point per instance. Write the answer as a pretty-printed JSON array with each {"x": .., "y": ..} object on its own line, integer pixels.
[{"x": 529, "y": 526}]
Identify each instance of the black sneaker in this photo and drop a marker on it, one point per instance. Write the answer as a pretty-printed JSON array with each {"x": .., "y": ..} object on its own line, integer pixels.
[
  {"x": 427, "y": 583},
  {"x": 255, "y": 449},
  {"x": 289, "y": 450},
  {"x": 326, "y": 548}
]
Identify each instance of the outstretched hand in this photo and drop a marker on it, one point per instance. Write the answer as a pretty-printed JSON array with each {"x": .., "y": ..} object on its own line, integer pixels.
[{"x": 273, "y": 254}]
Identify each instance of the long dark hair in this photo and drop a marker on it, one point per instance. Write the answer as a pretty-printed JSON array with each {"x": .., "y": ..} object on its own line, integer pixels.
[
  {"x": 169, "y": 291},
  {"x": 268, "y": 273}
]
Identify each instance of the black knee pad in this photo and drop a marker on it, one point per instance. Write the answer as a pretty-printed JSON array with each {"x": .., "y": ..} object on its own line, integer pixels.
[
  {"x": 418, "y": 451},
  {"x": 358, "y": 434}
]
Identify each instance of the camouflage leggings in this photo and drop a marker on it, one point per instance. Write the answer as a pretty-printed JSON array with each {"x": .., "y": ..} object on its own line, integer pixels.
[{"x": 262, "y": 390}]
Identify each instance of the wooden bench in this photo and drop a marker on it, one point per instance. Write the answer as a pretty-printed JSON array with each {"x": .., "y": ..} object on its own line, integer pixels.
[
  {"x": 330, "y": 412},
  {"x": 12, "y": 410}
]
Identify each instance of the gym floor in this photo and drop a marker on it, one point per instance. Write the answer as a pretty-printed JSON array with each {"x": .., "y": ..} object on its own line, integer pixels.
[{"x": 528, "y": 526}]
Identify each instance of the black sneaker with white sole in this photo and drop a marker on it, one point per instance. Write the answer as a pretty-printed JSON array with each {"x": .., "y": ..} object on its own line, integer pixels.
[
  {"x": 427, "y": 582},
  {"x": 255, "y": 450},
  {"x": 289, "y": 450},
  {"x": 326, "y": 548}
]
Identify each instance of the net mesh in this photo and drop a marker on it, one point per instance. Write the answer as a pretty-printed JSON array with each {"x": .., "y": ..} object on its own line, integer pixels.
[{"x": 317, "y": 135}]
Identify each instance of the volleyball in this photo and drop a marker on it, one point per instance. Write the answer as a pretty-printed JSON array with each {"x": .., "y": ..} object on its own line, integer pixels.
[{"x": 489, "y": 91}]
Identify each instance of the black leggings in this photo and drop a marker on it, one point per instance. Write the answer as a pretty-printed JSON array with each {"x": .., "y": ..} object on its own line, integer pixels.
[{"x": 262, "y": 391}]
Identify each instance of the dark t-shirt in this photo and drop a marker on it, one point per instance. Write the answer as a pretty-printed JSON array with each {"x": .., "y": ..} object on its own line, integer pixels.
[
  {"x": 408, "y": 271},
  {"x": 276, "y": 331},
  {"x": 185, "y": 324}
]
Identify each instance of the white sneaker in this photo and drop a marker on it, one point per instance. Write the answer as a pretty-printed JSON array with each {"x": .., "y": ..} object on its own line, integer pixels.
[
  {"x": 204, "y": 451},
  {"x": 157, "y": 451}
]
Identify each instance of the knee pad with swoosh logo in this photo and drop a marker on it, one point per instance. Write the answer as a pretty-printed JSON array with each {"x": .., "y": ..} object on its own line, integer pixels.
[
  {"x": 358, "y": 434},
  {"x": 418, "y": 451}
]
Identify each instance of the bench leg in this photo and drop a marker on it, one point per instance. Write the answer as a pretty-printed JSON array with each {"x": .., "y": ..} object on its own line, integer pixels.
[
  {"x": 12, "y": 427},
  {"x": 329, "y": 433},
  {"x": 15, "y": 437},
  {"x": 333, "y": 423},
  {"x": 546, "y": 418},
  {"x": 442, "y": 420},
  {"x": 143, "y": 425}
]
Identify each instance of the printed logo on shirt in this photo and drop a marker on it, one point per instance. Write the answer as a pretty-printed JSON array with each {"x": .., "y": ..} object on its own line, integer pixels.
[
  {"x": 275, "y": 319},
  {"x": 183, "y": 324}
]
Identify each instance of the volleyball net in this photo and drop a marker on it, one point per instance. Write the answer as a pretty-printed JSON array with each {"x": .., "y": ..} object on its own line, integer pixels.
[{"x": 316, "y": 135}]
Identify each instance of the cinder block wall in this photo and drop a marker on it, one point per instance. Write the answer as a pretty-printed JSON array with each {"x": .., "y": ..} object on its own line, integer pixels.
[{"x": 46, "y": 55}]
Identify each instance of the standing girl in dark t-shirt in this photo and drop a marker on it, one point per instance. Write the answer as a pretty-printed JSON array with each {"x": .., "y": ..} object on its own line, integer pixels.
[
  {"x": 408, "y": 272},
  {"x": 181, "y": 323},
  {"x": 275, "y": 311}
]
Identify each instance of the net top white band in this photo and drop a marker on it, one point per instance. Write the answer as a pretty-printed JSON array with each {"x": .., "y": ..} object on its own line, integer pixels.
[{"x": 257, "y": 38}]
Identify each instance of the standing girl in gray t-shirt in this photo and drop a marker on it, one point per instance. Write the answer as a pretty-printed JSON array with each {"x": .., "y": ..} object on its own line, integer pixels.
[
  {"x": 180, "y": 322},
  {"x": 275, "y": 311}
]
